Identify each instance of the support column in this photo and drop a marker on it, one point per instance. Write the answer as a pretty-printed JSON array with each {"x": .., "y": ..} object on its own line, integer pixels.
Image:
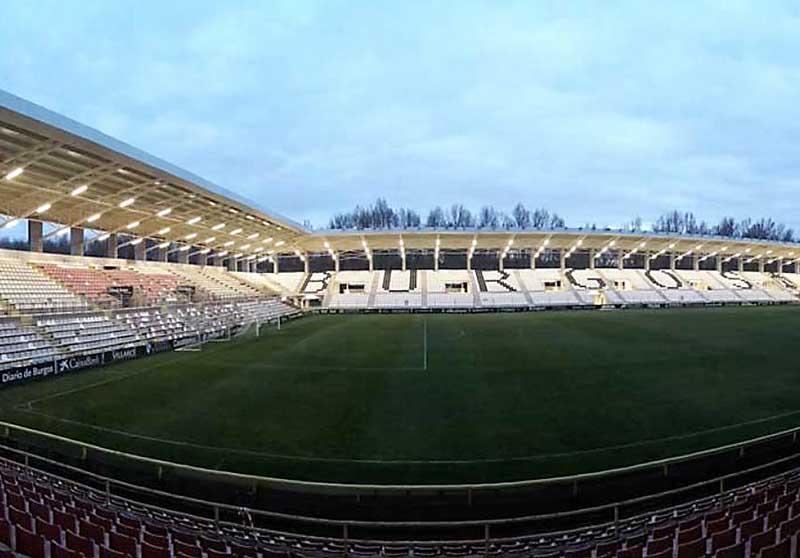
[
  {"x": 35, "y": 236},
  {"x": 780, "y": 265},
  {"x": 253, "y": 265},
  {"x": 161, "y": 254},
  {"x": 719, "y": 264},
  {"x": 306, "y": 262},
  {"x": 183, "y": 256},
  {"x": 275, "y": 264},
  {"x": 403, "y": 262},
  {"x": 695, "y": 262},
  {"x": 216, "y": 260},
  {"x": 436, "y": 260},
  {"x": 76, "y": 241},
  {"x": 740, "y": 264},
  {"x": 469, "y": 262},
  {"x": 533, "y": 258},
  {"x": 336, "y": 265},
  {"x": 501, "y": 262},
  {"x": 620, "y": 260},
  {"x": 672, "y": 261},
  {"x": 371, "y": 264},
  {"x": 231, "y": 264},
  {"x": 647, "y": 261},
  {"x": 202, "y": 259},
  {"x": 797, "y": 266},
  {"x": 591, "y": 258},
  {"x": 761, "y": 265},
  {"x": 563, "y": 259},
  {"x": 111, "y": 246},
  {"x": 140, "y": 251}
]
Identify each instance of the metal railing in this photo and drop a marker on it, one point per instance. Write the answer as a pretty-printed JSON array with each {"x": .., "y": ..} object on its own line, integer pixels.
[{"x": 78, "y": 458}]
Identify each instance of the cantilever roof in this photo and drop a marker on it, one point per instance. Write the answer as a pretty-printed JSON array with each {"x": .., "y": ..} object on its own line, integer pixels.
[{"x": 59, "y": 155}]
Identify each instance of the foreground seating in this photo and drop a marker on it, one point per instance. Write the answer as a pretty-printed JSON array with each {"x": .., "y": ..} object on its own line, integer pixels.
[{"x": 44, "y": 515}]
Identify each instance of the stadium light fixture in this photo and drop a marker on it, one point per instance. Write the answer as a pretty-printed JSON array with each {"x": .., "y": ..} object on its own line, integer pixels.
[
  {"x": 205, "y": 251},
  {"x": 194, "y": 220},
  {"x": 239, "y": 255},
  {"x": 232, "y": 210},
  {"x": 236, "y": 231},
  {"x": 104, "y": 236},
  {"x": 136, "y": 241},
  {"x": 218, "y": 227},
  {"x": 250, "y": 218},
  {"x": 164, "y": 212},
  {"x": 327, "y": 245},
  {"x": 279, "y": 243},
  {"x": 184, "y": 248},
  {"x": 79, "y": 190},
  {"x": 190, "y": 236},
  {"x": 163, "y": 245},
  {"x": 222, "y": 254},
  {"x": 209, "y": 240},
  {"x": 252, "y": 236},
  {"x": 244, "y": 247},
  {"x": 10, "y": 224},
  {"x": 267, "y": 240},
  {"x": 127, "y": 202},
  {"x": 93, "y": 218},
  {"x": 43, "y": 208},
  {"x": 14, "y": 173},
  {"x": 229, "y": 243},
  {"x": 164, "y": 231},
  {"x": 133, "y": 225}
]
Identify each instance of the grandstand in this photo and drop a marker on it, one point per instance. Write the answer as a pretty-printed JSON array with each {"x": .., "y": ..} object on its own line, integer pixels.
[{"x": 186, "y": 262}]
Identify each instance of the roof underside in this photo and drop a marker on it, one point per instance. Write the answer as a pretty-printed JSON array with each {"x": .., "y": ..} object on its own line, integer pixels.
[{"x": 60, "y": 157}]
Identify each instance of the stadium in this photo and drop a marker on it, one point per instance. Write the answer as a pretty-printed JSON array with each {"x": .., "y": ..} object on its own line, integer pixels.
[{"x": 221, "y": 381}]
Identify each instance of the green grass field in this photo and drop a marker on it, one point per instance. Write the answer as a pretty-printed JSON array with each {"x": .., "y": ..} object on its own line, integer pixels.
[{"x": 442, "y": 398}]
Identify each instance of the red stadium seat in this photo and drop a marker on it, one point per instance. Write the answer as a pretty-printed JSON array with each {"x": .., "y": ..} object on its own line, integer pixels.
[
  {"x": 29, "y": 544},
  {"x": 735, "y": 551},
  {"x": 49, "y": 531},
  {"x": 59, "y": 551},
  {"x": 79, "y": 544},
  {"x": 150, "y": 551},
  {"x": 5, "y": 532},
  {"x": 692, "y": 549},
  {"x": 781, "y": 550},
  {"x": 122, "y": 544},
  {"x": 106, "y": 552},
  {"x": 66, "y": 521},
  {"x": 20, "y": 518},
  {"x": 762, "y": 540}
]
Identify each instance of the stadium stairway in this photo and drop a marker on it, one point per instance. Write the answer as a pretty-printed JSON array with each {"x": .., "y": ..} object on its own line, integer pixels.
[
  {"x": 525, "y": 292},
  {"x": 424, "y": 288},
  {"x": 475, "y": 289},
  {"x": 373, "y": 288}
]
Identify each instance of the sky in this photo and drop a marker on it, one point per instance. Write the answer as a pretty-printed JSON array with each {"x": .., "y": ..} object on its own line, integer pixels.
[{"x": 600, "y": 111}]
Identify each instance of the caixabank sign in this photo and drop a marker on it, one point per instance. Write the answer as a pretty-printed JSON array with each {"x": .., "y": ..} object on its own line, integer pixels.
[{"x": 71, "y": 364}]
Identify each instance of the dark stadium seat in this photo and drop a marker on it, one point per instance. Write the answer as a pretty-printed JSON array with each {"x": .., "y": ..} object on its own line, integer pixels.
[
  {"x": 723, "y": 539},
  {"x": 49, "y": 531},
  {"x": 106, "y": 552},
  {"x": 692, "y": 549},
  {"x": 122, "y": 543},
  {"x": 762, "y": 540},
  {"x": 5, "y": 532},
  {"x": 59, "y": 551},
  {"x": 150, "y": 551},
  {"x": 28, "y": 543},
  {"x": 735, "y": 551},
  {"x": 79, "y": 544},
  {"x": 782, "y": 549}
]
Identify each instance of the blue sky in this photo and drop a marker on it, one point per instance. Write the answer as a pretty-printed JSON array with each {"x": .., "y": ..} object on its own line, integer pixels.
[{"x": 600, "y": 111}]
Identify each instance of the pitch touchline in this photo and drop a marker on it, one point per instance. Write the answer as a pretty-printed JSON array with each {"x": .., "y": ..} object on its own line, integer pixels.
[{"x": 285, "y": 457}]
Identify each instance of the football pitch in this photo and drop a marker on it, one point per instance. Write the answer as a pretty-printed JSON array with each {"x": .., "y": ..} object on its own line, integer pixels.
[{"x": 441, "y": 398}]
